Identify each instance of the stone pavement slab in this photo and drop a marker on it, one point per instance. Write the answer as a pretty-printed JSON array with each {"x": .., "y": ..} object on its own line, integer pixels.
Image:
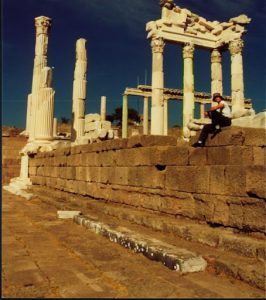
[{"x": 47, "y": 257}]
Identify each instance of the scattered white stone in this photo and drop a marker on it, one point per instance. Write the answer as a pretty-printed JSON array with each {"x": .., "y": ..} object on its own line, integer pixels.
[{"x": 67, "y": 214}]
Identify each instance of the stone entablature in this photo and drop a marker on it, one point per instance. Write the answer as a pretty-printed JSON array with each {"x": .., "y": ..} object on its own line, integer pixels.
[
  {"x": 181, "y": 25},
  {"x": 163, "y": 175}
]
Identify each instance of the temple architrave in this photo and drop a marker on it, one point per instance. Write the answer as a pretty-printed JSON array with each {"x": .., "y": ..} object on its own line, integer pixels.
[{"x": 191, "y": 31}]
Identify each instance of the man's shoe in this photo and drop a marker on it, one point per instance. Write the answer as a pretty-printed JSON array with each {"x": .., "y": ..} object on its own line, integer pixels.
[{"x": 198, "y": 144}]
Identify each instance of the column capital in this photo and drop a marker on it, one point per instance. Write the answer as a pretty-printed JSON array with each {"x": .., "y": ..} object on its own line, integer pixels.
[
  {"x": 216, "y": 56},
  {"x": 188, "y": 50},
  {"x": 157, "y": 45},
  {"x": 236, "y": 46},
  {"x": 43, "y": 25}
]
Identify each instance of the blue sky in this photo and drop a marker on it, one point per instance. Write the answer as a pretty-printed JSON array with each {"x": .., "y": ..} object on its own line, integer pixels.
[{"x": 119, "y": 54}]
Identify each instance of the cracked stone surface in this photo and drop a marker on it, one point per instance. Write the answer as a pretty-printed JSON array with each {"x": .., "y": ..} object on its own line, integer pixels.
[{"x": 44, "y": 256}]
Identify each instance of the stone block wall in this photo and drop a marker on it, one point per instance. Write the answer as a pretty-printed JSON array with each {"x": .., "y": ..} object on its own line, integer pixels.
[
  {"x": 11, "y": 147},
  {"x": 221, "y": 184}
]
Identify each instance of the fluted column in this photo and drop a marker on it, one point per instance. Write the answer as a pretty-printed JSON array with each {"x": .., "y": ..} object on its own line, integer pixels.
[
  {"x": 157, "y": 111},
  {"x": 45, "y": 107},
  {"x": 124, "y": 116},
  {"x": 237, "y": 78},
  {"x": 103, "y": 108},
  {"x": 146, "y": 115},
  {"x": 216, "y": 72},
  {"x": 79, "y": 91},
  {"x": 165, "y": 117},
  {"x": 202, "y": 111},
  {"x": 43, "y": 25},
  {"x": 188, "y": 89},
  {"x": 55, "y": 127}
]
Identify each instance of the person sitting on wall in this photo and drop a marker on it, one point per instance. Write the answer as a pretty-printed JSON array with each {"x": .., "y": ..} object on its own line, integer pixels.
[{"x": 220, "y": 115}]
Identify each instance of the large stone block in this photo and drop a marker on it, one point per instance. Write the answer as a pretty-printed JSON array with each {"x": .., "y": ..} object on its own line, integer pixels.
[
  {"x": 254, "y": 215},
  {"x": 218, "y": 156},
  {"x": 121, "y": 176},
  {"x": 81, "y": 173},
  {"x": 192, "y": 179},
  {"x": 217, "y": 180},
  {"x": 221, "y": 212},
  {"x": 32, "y": 171},
  {"x": 235, "y": 180},
  {"x": 197, "y": 156},
  {"x": 228, "y": 136},
  {"x": 255, "y": 177},
  {"x": 82, "y": 187},
  {"x": 241, "y": 155},
  {"x": 107, "y": 174},
  {"x": 169, "y": 155},
  {"x": 93, "y": 174},
  {"x": 259, "y": 156},
  {"x": 151, "y": 177},
  {"x": 151, "y": 140},
  {"x": 204, "y": 207},
  {"x": 132, "y": 157},
  {"x": 255, "y": 136},
  {"x": 90, "y": 159},
  {"x": 70, "y": 173},
  {"x": 106, "y": 158}
]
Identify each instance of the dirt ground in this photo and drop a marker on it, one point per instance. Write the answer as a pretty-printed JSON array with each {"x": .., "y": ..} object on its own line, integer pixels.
[{"x": 46, "y": 257}]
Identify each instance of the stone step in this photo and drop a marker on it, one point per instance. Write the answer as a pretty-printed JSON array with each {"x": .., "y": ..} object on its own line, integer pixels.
[
  {"x": 178, "y": 259},
  {"x": 215, "y": 245},
  {"x": 219, "y": 237}
]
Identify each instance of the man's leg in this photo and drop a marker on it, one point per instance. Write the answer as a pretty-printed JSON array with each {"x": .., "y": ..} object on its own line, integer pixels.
[{"x": 208, "y": 128}]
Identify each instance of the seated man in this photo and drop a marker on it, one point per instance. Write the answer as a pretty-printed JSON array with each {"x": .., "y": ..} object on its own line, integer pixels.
[{"x": 220, "y": 116}]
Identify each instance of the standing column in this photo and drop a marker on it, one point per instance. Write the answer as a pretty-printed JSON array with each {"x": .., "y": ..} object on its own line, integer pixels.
[
  {"x": 45, "y": 108},
  {"x": 103, "y": 108},
  {"x": 157, "y": 112},
  {"x": 124, "y": 116},
  {"x": 202, "y": 111},
  {"x": 55, "y": 127},
  {"x": 79, "y": 91},
  {"x": 237, "y": 80},
  {"x": 146, "y": 115},
  {"x": 188, "y": 81},
  {"x": 165, "y": 117},
  {"x": 43, "y": 25},
  {"x": 216, "y": 72}
]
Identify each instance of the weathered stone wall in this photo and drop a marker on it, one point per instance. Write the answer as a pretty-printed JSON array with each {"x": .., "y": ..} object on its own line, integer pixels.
[
  {"x": 11, "y": 146},
  {"x": 222, "y": 184}
]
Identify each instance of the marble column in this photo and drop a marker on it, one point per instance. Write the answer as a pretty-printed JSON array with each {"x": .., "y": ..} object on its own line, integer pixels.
[
  {"x": 188, "y": 89},
  {"x": 237, "y": 80},
  {"x": 202, "y": 111},
  {"x": 146, "y": 115},
  {"x": 216, "y": 72},
  {"x": 165, "y": 117},
  {"x": 55, "y": 127},
  {"x": 125, "y": 117},
  {"x": 103, "y": 108},
  {"x": 24, "y": 167},
  {"x": 79, "y": 91},
  {"x": 45, "y": 108},
  {"x": 43, "y": 25},
  {"x": 157, "y": 112}
]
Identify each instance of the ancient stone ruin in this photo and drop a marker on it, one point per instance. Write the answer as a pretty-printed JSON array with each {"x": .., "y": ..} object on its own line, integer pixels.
[
  {"x": 155, "y": 173},
  {"x": 181, "y": 26}
]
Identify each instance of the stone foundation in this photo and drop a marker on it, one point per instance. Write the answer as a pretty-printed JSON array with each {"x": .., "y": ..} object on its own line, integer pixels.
[{"x": 221, "y": 184}]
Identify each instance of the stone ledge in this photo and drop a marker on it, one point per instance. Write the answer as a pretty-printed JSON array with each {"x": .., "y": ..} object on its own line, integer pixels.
[{"x": 178, "y": 259}]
